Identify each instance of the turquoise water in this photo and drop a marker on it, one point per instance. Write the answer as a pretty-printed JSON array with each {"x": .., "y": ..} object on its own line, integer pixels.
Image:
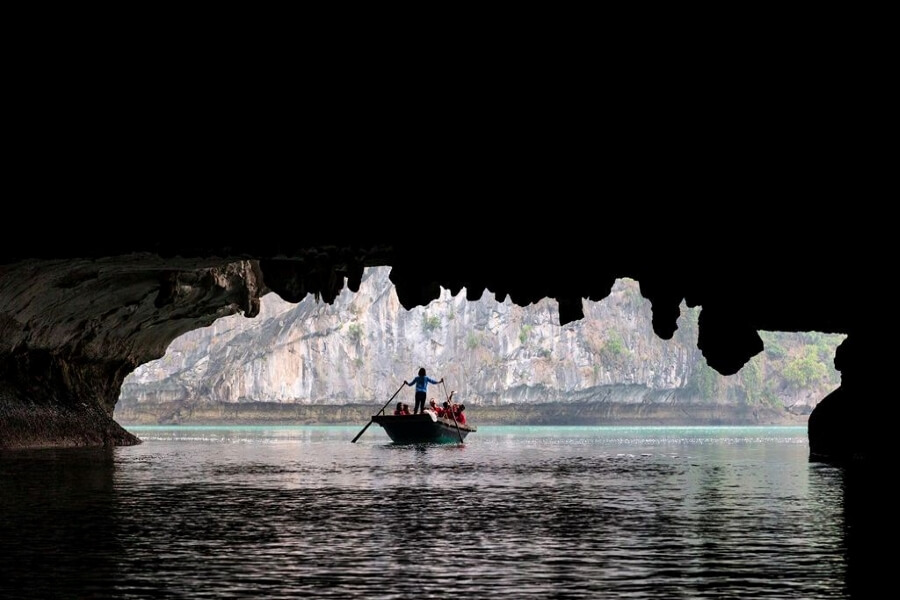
[{"x": 299, "y": 511}]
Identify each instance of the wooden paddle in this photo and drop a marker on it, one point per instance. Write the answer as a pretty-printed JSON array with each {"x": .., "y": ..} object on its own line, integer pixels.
[
  {"x": 382, "y": 410},
  {"x": 453, "y": 416}
]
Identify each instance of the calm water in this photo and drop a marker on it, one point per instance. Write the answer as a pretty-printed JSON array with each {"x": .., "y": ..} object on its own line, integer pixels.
[{"x": 537, "y": 512}]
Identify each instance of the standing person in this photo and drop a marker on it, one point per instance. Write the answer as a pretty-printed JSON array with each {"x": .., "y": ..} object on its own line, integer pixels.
[{"x": 421, "y": 382}]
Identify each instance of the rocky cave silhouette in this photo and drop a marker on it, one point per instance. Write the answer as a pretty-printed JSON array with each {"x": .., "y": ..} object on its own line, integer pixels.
[{"x": 78, "y": 315}]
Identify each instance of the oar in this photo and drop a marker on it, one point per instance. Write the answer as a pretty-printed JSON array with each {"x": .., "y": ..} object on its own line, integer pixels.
[
  {"x": 382, "y": 409},
  {"x": 452, "y": 416}
]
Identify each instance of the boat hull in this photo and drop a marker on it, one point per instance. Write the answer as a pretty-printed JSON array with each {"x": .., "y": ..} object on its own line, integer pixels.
[{"x": 422, "y": 429}]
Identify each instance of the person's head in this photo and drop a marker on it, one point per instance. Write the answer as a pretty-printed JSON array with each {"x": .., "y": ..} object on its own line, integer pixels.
[
  {"x": 422, "y": 372},
  {"x": 462, "y": 407},
  {"x": 432, "y": 402}
]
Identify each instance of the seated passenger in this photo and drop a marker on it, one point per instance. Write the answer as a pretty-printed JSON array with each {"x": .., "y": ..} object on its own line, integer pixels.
[
  {"x": 460, "y": 415},
  {"x": 433, "y": 407},
  {"x": 399, "y": 409}
]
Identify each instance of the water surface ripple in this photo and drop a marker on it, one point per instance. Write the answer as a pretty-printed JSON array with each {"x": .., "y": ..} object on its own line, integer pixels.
[{"x": 290, "y": 512}]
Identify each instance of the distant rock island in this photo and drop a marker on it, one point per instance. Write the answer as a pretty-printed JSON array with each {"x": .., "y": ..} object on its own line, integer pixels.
[{"x": 314, "y": 362}]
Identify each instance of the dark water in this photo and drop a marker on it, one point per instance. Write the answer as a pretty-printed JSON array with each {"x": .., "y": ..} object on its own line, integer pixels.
[{"x": 561, "y": 512}]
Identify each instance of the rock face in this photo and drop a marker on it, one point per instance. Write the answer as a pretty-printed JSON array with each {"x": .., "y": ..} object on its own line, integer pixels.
[
  {"x": 362, "y": 346},
  {"x": 71, "y": 331}
]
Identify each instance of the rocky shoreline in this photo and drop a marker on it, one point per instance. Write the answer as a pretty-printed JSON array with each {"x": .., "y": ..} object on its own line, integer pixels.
[
  {"x": 584, "y": 413},
  {"x": 31, "y": 425}
]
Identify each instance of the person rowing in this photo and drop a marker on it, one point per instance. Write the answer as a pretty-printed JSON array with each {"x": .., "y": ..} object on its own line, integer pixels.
[{"x": 421, "y": 382}]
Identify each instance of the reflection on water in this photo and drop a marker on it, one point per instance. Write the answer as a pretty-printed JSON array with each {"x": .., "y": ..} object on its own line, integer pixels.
[{"x": 516, "y": 512}]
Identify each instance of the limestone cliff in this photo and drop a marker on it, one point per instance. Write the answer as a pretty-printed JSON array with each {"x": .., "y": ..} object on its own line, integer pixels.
[{"x": 360, "y": 349}]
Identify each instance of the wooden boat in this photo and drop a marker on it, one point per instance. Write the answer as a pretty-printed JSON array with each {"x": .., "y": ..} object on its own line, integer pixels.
[{"x": 424, "y": 428}]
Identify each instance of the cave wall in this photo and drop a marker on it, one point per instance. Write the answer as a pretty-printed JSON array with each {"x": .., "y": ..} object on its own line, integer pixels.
[{"x": 72, "y": 329}]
